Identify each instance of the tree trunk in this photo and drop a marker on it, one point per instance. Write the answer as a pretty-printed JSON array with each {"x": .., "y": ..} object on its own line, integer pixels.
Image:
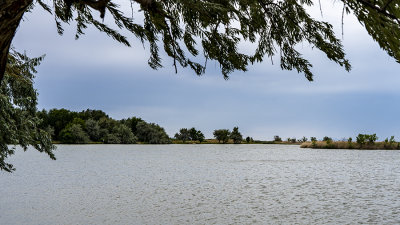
[{"x": 11, "y": 12}]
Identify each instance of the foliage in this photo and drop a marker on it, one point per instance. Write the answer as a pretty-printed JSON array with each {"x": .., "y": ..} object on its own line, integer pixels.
[
  {"x": 124, "y": 134},
  {"x": 19, "y": 121},
  {"x": 74, "y": 134},
  {"x": 112, "y": 139},
  {"x": 372, "y": 138},
  {"x": 183, "y": 135},
  {"x": 93, "y": 129},
  {"x": 326, "y": 138},
  {"x": 196, "y": 135},
  {"x": 184, "y": 29},
  {"x": 200, "y": 136},
  {"x": 313, "y": 138},
  {"x": 362, "y": 139},
  {"x": 97, "y": 126},
  {"x": 313, "y": 141},
  {"x": 190, "y": 134},
  {"x": 132, "y": 123},
  {"x": 350, "y": 142},
  {"x": 222, "y": 135},
  {"x": 247, "y": 139},
  {"x": 277, "y": 138},
  {"x": 151, "y": 133},
  {"x": 236, "y": 136}
]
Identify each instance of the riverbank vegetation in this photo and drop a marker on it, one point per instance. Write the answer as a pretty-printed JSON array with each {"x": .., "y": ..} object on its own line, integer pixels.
[
  {"x": 363, "y": 141},
  {"x": 95, "y": 126}
]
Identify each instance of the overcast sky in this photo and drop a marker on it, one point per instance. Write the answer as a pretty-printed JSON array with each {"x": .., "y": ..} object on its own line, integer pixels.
[{"x": 98, "y": 73}]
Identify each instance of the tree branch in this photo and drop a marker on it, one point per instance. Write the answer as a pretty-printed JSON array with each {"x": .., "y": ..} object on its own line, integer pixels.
[{"x": 11, "y": 12}]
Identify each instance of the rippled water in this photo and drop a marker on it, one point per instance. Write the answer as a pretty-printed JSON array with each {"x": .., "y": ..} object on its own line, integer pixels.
[{"x": 201, "y": 184}]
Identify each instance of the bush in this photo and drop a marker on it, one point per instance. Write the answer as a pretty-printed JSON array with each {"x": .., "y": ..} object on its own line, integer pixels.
[
  {"x": 363, "y": 139},
  {"x": 236, "y": 136},
  {"x": 326, "y": 138},
  {"x": 74, "y": 134},
  {"x": 277, "y": 138},
  {"x": 350, "y": 142},
  {"x": 222, "y": 135},
  {"x": 313, "y": 141}
]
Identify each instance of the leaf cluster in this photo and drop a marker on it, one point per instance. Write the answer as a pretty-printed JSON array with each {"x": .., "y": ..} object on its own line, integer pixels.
[
  {"x": 184, "y": 29},
  {"x": 19, "y": 122}
]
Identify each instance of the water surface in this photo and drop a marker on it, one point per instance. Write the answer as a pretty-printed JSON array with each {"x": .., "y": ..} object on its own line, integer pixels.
[{"x": 201, "y": 184}]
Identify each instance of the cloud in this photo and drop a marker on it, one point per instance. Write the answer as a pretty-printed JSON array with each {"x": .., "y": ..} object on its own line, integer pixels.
[{"x": 96, "y": 72}]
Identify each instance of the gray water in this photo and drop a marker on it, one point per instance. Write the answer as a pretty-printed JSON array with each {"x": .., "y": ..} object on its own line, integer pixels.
[{"x": 201, "y": 184}]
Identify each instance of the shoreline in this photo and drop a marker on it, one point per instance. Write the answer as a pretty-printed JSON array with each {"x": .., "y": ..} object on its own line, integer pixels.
[{"x": 351, "y": 145}]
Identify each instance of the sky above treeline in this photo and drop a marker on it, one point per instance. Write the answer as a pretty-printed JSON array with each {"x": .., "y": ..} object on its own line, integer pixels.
[{"x": 96, "y": 72}]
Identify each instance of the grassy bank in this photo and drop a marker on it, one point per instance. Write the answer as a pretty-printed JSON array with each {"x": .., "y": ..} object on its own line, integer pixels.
[
  {"x": 350, "y": 145},
  {"x": 215, "y": 141}
]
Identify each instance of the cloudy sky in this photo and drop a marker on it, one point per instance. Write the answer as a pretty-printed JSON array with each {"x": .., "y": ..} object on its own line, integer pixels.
[{"x": 98, "y": 73}]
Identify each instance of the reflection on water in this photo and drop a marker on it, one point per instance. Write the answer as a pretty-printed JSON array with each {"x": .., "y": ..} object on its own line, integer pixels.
[{"x": 201, "y": 184}]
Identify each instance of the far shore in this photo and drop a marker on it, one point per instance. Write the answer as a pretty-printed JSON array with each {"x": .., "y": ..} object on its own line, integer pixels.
[
  {"x": 351, "y": 145},
  {"x": 308, "y": 144}
]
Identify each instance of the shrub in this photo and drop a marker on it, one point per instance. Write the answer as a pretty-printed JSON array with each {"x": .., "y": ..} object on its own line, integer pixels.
[
  {"x": 350, "y": 142},
  {"x": 313, "y": 141},
  {"x": 277, "y": 138},
  {"x": 236, "y": 136},
  {"x": 326, "y": 138},
  {"x": 361, "y": 139}
]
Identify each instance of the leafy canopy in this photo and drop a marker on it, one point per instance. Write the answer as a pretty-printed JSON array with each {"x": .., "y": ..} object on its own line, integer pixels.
[
  {"x": 19, "y": 122},
  {"x": 213, "y": 28}
]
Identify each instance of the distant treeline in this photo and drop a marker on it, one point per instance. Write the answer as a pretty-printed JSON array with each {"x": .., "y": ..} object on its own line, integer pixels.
[
  {"x": 223, "y": 136},
  {"x": 363, "y": 141},
  {"x": 91, "y": 126}
]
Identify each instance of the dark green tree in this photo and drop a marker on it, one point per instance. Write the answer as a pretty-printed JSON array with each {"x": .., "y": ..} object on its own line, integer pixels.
[
  {"x": 151, "y": 133},
  {"x": 277, "y": 138},
  {"x": 196, "y": 135},
  {"x": 200, "y": 136},
  {"x": 131, "y": 123},
  {"x": 326, "y": 138},
  {"x": 193, "y": 134},
  {"x": 59, "y": 119},
  {"x": 183, "y": 135},
  {"x": 19, "y": 121},
  {"x": 222, "y": 135},
  {"x": 74, "y": 134},
  {"x": 236, "y": 136},
  {"x": 92, "y": 114},
  {"x": 112, "y": 139},
  {"x": 124, "y": 134},
  {"x": 93, "y": 129},
  {"x": 361, "y": 139}
]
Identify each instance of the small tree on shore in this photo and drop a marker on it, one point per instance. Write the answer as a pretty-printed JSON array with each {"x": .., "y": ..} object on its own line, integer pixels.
[
  {"x": 361, "y": 140},
  {"x": 350, "y": 142},
  {"x": 372, "y": 138},
  {"x": 222, "y": 135},
  {"x": 236, "y": 136},
  {"x": 313, "y": 141},
  {"x": 326, "y": 138},
  {"x": 183, "y": 135},
  {"x": 277, "y": 138}
]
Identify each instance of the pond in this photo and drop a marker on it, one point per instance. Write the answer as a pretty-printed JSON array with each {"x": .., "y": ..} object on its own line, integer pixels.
[{"x": 201, "y": 184}]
